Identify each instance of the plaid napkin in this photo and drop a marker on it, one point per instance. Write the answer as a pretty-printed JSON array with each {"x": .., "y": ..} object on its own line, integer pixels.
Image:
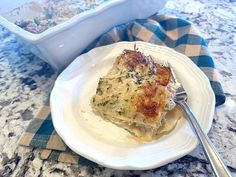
[{"x": 162, "y": 30}]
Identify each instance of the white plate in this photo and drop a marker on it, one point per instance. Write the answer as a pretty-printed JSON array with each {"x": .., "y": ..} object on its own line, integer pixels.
[{"x": 106, "y": 144}]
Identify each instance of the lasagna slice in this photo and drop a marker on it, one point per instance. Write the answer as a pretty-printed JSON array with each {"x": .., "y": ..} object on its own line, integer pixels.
[{"x": 136, "y": 94}]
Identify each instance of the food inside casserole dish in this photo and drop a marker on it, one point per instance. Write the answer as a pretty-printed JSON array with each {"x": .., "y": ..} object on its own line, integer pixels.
[
  {"x": 38, "y": 16},
  {"x": 136, "y": 94}
]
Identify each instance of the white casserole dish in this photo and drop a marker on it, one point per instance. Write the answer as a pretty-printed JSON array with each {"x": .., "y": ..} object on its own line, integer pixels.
[{"x": 60, "y": 44}]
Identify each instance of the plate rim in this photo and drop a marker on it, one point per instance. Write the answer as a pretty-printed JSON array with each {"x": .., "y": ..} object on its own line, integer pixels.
[{"x": 128, "y": 166}]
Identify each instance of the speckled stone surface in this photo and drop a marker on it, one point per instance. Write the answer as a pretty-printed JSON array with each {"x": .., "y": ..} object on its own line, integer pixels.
[{"x": 26, "y": 81}]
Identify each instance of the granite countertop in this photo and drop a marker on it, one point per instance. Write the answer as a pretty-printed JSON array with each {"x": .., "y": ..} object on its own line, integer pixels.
[{"x": 26, "y": 81}]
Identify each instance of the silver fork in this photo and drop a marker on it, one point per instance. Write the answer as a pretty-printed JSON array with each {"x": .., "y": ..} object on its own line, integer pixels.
[{"x": 218, "y": 166}]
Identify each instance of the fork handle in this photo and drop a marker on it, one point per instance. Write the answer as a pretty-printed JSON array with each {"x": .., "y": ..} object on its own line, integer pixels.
[{"x": 210, "y": 151}]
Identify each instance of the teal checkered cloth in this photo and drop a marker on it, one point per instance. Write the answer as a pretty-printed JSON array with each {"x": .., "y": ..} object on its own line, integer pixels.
[{"x": 161, "y": 30}]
